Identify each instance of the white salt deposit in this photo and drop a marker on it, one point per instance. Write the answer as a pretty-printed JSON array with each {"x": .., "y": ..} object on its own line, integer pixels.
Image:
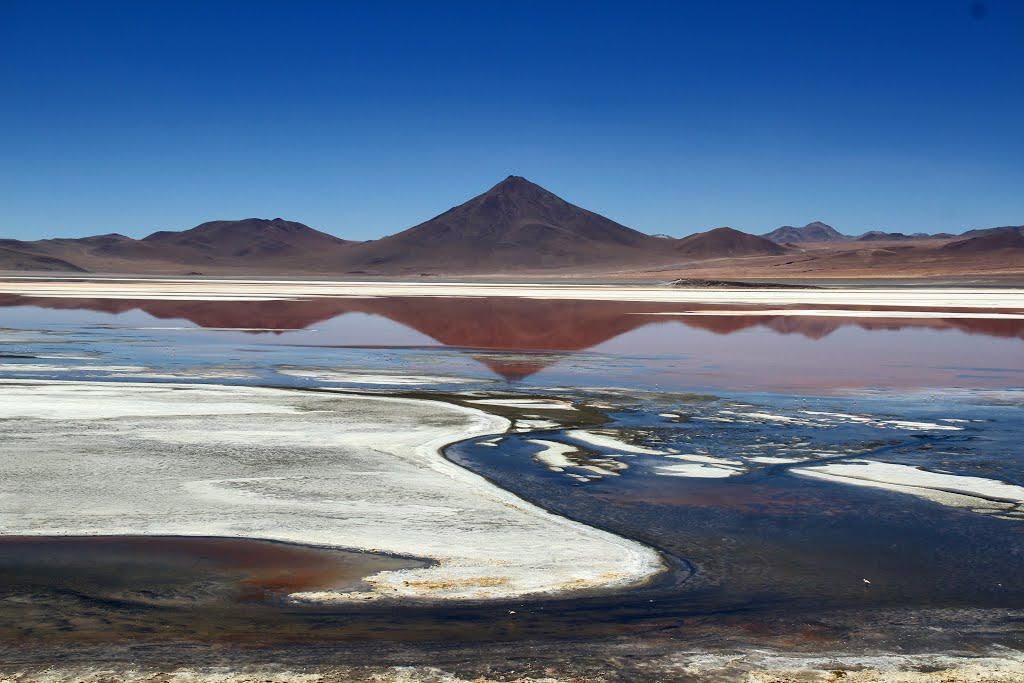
[
  {"x": 976, "y": 493},
  {"x": 693, "y": 457},
  {"x": 355, "y": 377},
  {"x": 32, "y": 367},
  {"x": 531, "y": 403},
  {"x": 697, "y": 471},
  {"x": 554, "y": 454},
  {"x": 602, "y": 440},
  {"x": 919, "y": 426},
  {"x": 534, "y": 425},
  {"x": 900, "y": 301},
  {"x": 133, "y": 371},
  {"x": 334, "y": 470},
  {"x": 824, "y": 418}
]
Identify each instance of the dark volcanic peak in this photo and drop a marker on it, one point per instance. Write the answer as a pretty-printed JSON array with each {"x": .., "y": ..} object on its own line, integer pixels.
[
  {"x": 812, "y": 232},
  {"x": 514, "y": 226},
  {"x": 516, "y": 205},
  {"x": 725, "y": 242}
]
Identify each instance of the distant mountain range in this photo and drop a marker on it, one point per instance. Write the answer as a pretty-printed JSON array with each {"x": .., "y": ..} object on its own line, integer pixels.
[
  {"x": 812, "y": 232},
  {"x": 517, "y": 228}
]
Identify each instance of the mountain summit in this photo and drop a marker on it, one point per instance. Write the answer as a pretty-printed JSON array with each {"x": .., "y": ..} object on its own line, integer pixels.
[
  {"x": 517, "y": 210},
  {"x": 812, "y": 232},
  {"x": 514, "y": 226}
]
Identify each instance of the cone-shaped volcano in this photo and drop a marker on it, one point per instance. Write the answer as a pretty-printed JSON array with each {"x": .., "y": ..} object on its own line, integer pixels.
[{"x": 516, "y": 226}]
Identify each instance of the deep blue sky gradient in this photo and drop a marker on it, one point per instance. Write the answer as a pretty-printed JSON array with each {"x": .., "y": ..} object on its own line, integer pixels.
[{"x": 365, "y": 118}]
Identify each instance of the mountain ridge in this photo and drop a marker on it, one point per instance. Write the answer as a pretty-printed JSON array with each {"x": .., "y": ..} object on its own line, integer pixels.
[{"x": 517, "y": 227}]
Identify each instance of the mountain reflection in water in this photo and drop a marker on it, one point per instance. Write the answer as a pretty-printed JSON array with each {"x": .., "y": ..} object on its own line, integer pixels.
[{"x": 517, "y": 338}]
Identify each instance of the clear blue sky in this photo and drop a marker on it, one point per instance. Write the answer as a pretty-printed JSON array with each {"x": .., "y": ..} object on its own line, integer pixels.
[{"x": 365, "y": 118}]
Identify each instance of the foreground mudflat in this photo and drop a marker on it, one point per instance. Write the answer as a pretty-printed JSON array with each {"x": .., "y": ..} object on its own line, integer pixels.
[
  {"x": 322, "y": 469},
  {"x": 686, "y": 667}
]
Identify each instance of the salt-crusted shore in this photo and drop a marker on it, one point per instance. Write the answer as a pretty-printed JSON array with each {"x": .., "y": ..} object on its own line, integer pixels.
[
  {"x": 358, "y": 472},
  {"x": 912, "y": 299}
]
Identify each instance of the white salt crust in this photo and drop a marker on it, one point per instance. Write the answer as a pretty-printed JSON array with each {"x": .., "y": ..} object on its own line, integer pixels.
[
  {"x": 994, "y": 299},
  {"x": 987, "y": 496},
  {"x": 607, "y": 441},
  {"x": 345, "y": 471}
]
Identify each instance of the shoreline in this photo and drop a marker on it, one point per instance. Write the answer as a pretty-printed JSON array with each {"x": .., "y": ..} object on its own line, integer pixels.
[
  {"x": 1013, "y": 277},
  {"x": 889, "y": 300}
]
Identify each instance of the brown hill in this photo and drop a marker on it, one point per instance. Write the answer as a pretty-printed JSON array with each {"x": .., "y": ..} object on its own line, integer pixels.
[
  {"x": 111, "y": 253},
  {"x": 249, "y": 238},
  {"x": 16, "y": 259},
  {"x": 725, "y": 242},
  {"x": 993, "y": 240},
  {"x": 516, "y": 226},
  {"x": 253, "y": 245}
]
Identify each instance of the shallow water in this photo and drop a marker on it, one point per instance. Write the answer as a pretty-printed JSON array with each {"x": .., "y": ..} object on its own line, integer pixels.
[
  {"x": 521, "y": 343},
  {"x": 179, "y": 571},
  {"x": 703, "y": 426}
]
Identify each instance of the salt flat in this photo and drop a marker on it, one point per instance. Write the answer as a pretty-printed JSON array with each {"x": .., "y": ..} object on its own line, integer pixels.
[
  {"x": 993, "y": 299},
  {"x": 350, "y": 471}
]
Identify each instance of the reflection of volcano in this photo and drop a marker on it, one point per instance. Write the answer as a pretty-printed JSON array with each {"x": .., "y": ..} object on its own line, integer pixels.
[{"x": 540, "y": 330}]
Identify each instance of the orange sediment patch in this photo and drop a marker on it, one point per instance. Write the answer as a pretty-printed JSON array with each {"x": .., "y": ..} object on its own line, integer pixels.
[{"x": 259, "y": 569}]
